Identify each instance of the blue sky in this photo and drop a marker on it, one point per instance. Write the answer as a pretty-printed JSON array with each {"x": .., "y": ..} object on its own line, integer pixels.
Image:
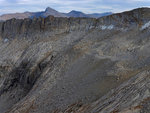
[{"x": 87, "y": 6}]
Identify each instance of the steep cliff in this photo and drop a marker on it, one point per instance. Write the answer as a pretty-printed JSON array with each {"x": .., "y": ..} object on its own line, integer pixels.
[
  {"x": 26, "y": 27},
  {"x": 67, "y": 64}
]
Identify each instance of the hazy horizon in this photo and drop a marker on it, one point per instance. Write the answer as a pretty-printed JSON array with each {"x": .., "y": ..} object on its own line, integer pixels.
[{"x": 86, "y": 6}]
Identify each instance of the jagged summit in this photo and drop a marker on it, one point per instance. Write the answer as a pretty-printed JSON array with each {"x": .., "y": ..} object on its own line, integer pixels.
[{"x": 48, "y": 9}]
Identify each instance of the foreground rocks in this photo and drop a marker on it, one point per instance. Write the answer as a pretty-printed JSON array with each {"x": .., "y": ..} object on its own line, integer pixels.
[
  {"x": 75, "y": 64},
  {"x": 130, "y": 97}
]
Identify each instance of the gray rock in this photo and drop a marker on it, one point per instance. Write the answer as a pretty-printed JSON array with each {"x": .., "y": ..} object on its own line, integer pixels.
[{"x": 72, "y": 64}]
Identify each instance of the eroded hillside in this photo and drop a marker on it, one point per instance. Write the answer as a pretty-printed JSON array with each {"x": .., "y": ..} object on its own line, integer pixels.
[{"x": 68, "y": 64}]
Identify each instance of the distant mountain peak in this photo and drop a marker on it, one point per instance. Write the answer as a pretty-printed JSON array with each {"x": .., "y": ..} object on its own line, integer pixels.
[
  {"x": 48, "y": 9},
  {"x": 74, "y": 11}
]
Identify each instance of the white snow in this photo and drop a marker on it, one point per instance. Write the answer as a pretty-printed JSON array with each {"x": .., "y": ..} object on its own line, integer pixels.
[
  {"x": 145, "y": 25},
  {"x": 109, "y": 27},
  {"x": 91, "y": 27},
  {"x": 6, "y": 40},
  {"x": 103, "y": 27}
]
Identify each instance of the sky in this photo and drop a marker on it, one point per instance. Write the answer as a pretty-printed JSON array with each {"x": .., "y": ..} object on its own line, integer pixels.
[{"x": 86, "y": 6}]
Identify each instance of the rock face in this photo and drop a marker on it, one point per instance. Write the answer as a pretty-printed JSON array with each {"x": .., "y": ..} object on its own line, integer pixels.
[{"x": 75, "y": 64}]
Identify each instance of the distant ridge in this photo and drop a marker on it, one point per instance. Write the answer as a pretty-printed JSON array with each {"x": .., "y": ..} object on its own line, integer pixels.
[
  {"x": 49, "y": 11},
  {"x": 74, "y": 13}
]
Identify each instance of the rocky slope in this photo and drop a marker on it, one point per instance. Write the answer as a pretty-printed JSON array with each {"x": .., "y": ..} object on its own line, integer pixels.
[
  {"x": 132, "y": 96},
  {"x": 76, "y": 64}
]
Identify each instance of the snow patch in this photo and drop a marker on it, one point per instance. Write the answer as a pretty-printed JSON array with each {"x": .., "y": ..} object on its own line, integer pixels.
[
  {"x": 109, "y": 27},
  {"x": 145, "y": 25},
  {"x": 91, "y": 27},
  {"x": 6, "y": 40}
]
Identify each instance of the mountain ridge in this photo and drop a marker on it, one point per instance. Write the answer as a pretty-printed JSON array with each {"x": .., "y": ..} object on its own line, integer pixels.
[
  {"x": 75, "y": 13},
  {"x": 49, "y": 11},
  {"x": 73, "y": 65}
]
